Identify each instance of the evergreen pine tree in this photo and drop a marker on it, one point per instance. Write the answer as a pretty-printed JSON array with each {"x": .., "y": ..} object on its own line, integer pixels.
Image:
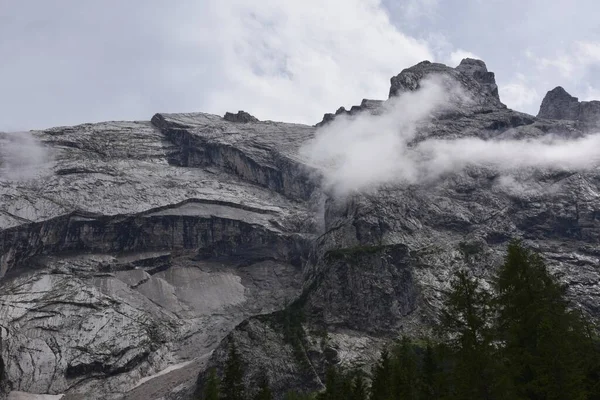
[
  {"x": 467, "y": 324},
  {"x": 299, "y": 396},
  {"x": 431, "y": 373},
  {"x": 264, "y": 391},
  {"x": 540, "y": 334},
  {"x": 338, "y": 386},
  {"x": 405, "y": 384},
  {"x": 590, "y": 349},
  {"x": 211, "y": 387},
  {"x": 359, "y": 387},
  {"x": 381, "y": 386},
  {"x": 232, "y": 385}
]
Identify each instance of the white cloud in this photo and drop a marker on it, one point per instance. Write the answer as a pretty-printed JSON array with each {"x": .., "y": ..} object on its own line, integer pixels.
[
  {"x": 282, "y": 60},
  {"x": 294, "y": 61},
  {"x": 573, "y": 62},
  {"x": 563, "y": 63},
  {"x": 588, "y": 52},
  {"x": 365, "y": 152},
  {"x": 22, "y": 156},
  {"x": 458, "y": 55},
  {"x": 591, "y": 93},
  {"x": 411, "y": 10},
  {"x": 286, "y": 60},
  {"x": 519, "y": 94}
]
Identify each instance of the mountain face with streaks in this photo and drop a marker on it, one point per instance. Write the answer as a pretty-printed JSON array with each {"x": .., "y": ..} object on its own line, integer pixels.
[{"x": 133, "y": 253}]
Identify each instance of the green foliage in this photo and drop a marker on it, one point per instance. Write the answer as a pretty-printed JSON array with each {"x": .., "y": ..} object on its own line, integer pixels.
[
  {"x": 292, "y": 318},
  {"x": 338, "y": 385},
  {"x": 432, "y": 382},
  {"x": 408, "y": 370},
  {"x": 542, "y": 338},
  {"x": 359, "y": 387},
  {"x": 406, "y": 379},
  {"x": 520, "y": 341},
  {"x": 592, "y": 366},
  {"x": 211, "y": 388},
  {"x": 467, "y": 327},
  {"x": 299, "y": 396},
  {"x": 264, "y": 391},
  {"x": 381, "y": 387},
  {"x": 232, "y": 386}
]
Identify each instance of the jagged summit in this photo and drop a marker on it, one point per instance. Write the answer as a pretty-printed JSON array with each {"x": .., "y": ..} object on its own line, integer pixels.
[
  {"x": 241, "y": 116},
  {"x": 478, "y": 71},
  {"x": 472, "y": 76},
  {"x": 373, "y": 106},
  {"x": 560, "y": 105}
]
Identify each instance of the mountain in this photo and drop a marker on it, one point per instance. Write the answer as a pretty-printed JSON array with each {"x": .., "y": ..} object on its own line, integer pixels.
[{"x": 133, "y": 253}]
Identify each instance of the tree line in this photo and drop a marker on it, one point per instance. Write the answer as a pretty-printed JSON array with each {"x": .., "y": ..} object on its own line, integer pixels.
[{"x": 518, "y": 339}]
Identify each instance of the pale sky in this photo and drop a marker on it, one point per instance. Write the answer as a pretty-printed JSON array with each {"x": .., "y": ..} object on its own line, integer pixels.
[{"x": 65, "y": 62}]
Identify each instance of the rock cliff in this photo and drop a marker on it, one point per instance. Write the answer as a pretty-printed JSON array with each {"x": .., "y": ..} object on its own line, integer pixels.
[
  {"x": 558, "y": 104},
  {"x": 132, "y": 253}
]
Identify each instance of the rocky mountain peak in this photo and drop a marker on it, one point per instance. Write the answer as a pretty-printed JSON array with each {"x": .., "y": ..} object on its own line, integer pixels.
[
  {"x": 373, "y": 106},
  {"x": 472, "y": 75},
  {"x": 558, "y": 104},
  {"x": 241, "y": 116},
  {"x": 478, "y": 71}
]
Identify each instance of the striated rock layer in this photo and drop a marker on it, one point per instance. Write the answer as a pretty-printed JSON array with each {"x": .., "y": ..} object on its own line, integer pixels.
[
  {"x": 137, "y": 246},
  {"x": 132, "y": 253}
]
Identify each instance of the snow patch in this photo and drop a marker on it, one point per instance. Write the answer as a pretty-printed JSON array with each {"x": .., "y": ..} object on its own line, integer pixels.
[
  {"x": 163, "y": 372},
  {"x": 16, "y": 395}
]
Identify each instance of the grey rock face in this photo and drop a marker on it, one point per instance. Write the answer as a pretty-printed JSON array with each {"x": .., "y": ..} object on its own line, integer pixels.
[
  {"x": 471, "y": 76},
  {"x": 263, "y": 154},
  {"x": 478, "y": 71},
  {"x": 558, "y": 104},
  {"x": 384, "y": 277},
  {"x": 241, "y": 116},
  {"x": 131, "y": 254},
  {"x": 589, "y": 113},
  {"x": 379, "y": 269},
  {"x": 137, "y": 251},
  {"x": 372, "y": 106}
]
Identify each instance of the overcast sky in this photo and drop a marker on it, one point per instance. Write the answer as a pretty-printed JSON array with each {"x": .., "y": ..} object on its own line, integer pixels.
[{"x": 66, "y": 62}]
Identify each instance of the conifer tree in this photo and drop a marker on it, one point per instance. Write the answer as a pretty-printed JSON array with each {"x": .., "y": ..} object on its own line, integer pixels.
[
  {"x": 338, "y": 386},
  {"x": 540, "y": 334},
  {"x": 431, "y": 373},
  {"x": 299, "y": 396},
  {"x": 264, "y": 391},
  {"x": 405, "y": 382},
  {"x": 232, "y": 385},
  {"x": 467, "y": 324},
  {"x": 381, "y": 386},
  {"x": 359, "y": 387},
  {"x": 211, "y": 388},
  {"x": 590, "y": 348}
]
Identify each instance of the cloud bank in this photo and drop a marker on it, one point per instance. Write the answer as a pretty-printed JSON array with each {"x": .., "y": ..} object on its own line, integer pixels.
[
  {"x": 294, "y": 61},
  {"x": 22, "y": 156},
  {"x": 365, "y": 152},
  {"x": 111, "y": 60}
]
